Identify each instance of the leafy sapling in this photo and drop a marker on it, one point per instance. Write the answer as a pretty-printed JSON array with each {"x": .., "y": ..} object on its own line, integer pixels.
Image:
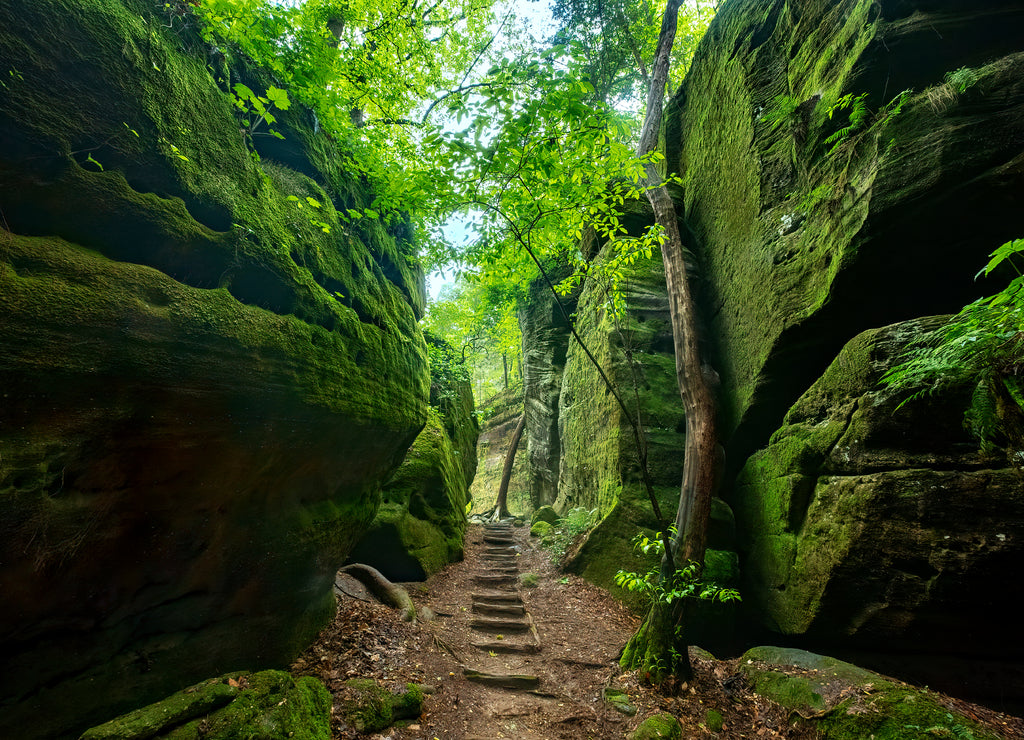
[{"x": 685, "y": 583}]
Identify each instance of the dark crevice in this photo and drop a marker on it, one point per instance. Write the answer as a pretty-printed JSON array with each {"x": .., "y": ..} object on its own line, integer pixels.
[{"x": 917, "y": 49}]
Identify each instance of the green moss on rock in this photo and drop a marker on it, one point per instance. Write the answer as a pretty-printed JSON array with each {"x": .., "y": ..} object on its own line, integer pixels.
[
  {"x": 544, "y": 514},
  {"x": 271, "y": 705},
  {"x": 209, "y": 388},
  {"x": 369, "y": 707},
  {"x": 790, "y": 228},
  {"x": 540, "y": 529},
  {"x": 844, "y": 702},
  {"x": 863, "y": 521},
  {"x": 662, "y": 725}
]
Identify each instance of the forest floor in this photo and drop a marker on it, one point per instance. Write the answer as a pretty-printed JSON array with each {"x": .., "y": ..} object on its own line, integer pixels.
[{"x": 563, "y": 643}]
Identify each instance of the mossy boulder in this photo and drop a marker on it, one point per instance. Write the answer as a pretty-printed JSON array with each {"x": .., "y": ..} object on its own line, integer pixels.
[
  {"x": 545, "y": 514},
  {"x": 421, "y": 522},
  {"x": 540, "y": 529},
  {"x": 203, "y": 390},
  {"x": 793, "y": 217},
  {"x": 662, "y": 725},
  {"x": 877, "y": 527},
  {"x": 230, "y": 708},
  {"x": 844, "y": 702},
  {"x": 369, "y": 707}
]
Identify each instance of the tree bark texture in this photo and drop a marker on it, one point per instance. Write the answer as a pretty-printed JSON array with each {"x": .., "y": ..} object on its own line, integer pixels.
[
  {"x": 658, "y": 648},
  {"x": 501, "y": 505}
]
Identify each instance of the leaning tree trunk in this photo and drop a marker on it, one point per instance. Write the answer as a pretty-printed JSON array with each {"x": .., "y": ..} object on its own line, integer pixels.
[
  {"x": 659, "y": 648},
  {"x": 500, "y": 510}
]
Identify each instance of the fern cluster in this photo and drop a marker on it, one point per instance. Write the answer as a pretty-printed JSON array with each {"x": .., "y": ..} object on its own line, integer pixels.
[{"x": 985, "y": 340}]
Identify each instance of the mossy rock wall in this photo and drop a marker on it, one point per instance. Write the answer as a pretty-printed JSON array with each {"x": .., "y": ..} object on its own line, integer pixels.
[
  {"x": 810, "y": 229},
  {"x": 420, "y": 525},
  {"x": 599, "y": 464},
  {"x": 545, "y": 331},
  {"x": 202, "y": 390},
  {"x": 867, "y": 527},
  {"x": 803, "y": 245},
  {"x": 503, "y": 412}
]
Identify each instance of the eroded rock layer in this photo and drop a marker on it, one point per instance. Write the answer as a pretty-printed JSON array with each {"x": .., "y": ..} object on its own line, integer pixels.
[
  {"x": 202, "y": 390},
  {"x": 421, "y": 523},
  {"x": 836, "y": 180},
  {"x": 882, "y": 529}
]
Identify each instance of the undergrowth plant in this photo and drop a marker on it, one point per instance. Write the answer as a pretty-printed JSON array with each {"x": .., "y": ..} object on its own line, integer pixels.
[
  {"x": 565, "y": 531},
  {"x": 983, "y": 342},
  {"x": 685, "y": 583}
]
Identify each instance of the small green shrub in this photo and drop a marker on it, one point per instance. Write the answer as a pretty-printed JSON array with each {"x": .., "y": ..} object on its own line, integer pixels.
[
  {"x": 685, "y": 583},
  {"x": 529, "y": 580},
  {"x": 565, "y": 531}
]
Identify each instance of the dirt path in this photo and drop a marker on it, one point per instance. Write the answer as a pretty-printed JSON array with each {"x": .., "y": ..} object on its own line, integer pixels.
[
  {"x": 545, "y": 652},
  {"x": 564, "y": 643}
]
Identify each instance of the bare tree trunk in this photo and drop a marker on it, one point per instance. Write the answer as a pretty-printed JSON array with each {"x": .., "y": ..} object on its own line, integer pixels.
[
  {"x": 658, "y": 649},
  {"x": 500, "y": 510},
  {"x": 504, "y": 365}
]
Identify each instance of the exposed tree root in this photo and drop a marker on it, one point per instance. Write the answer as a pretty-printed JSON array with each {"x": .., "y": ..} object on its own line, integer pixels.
[{"x": 383, "y": 589}]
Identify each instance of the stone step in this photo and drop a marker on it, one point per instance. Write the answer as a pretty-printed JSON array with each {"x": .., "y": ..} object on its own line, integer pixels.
[
  {"x": 499, "y": 609},
  {"x": 499, "y": 597},
  {"x": 486, "y": 624},
  {"x": 501, "y": 551},
  {"x": 495, "y": 580},
  {"x": 505, "y": 570},
  {"x": 504, "y": 681},
  {"x": 492, "y": 540},
  {"x": 504, "y": 646}
]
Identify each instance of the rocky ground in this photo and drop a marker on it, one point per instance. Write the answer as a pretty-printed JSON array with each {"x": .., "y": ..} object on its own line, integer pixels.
[{"x": 554, "y": 645}]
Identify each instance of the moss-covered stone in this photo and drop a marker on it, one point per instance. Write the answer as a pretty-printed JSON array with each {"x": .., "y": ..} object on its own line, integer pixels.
[
  {"x": 270, "y": 704},
  {"x": 713, "y": 720},
  {"x": 877, "y": 526},
  {"x": 662, "y": 725},
  {"x": 369, "y": 707},
  {"x": 149, "y": 721},
  {"x": 789, "y": 229},
  {"x": 540, "y": 529},
  {"x": 545, "y": 514},
  {"x": 618, "y": 700},
  {"x": 844, "y": 702},
  {"x": 204, "y": 390}
]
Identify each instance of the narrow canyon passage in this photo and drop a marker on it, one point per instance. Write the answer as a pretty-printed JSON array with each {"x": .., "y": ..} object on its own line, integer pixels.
[{"x": 512, "y": 648}]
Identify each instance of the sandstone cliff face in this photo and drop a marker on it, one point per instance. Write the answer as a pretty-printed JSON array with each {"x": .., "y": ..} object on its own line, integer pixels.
[
  {"x": 503, "y": 412},
  {"x": 805, "y": 242},
  {"x": 820, "y": 202},
  {"x": 202, "y": 391},
  {"x": 421, "y": 523},
  {"x": 823, "y": 202},
  {"x": 545, "y": 343},
  {"x": 876, "y": 528}
]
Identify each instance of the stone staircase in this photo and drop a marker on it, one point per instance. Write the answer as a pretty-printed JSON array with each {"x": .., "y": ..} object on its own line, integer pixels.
[{"x": 498, "y": 612}]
